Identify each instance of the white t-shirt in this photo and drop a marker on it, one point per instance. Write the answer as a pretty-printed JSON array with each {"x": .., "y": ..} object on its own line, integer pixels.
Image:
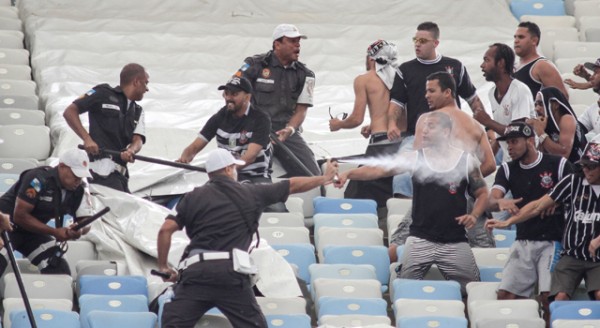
[
  {"x": 517, "y": 103},
  {"x": 591, "y": 118}
]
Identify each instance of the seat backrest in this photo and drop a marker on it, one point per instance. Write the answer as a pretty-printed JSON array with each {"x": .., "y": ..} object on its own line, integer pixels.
[
  {"x": 17, "y": 87},
  {"x": 511, "y": 322},
  {"x": 110, "y": 303},
  {"x": 340, "y": 271},
  {"x": 581, "y": 310},
  {"x": 426, "y": 289},
  {"x": 350, "y": 220},
  {"x": 14, "y": 72},
  {"x": 24, "y": 102},
  {"x": 288, "y": 320},
  {"x": 491, "y": 257},
  {"x": 336, "y": 205},
  {"x": 550, "y": 35},
  {"x": 7, "y": 180},
  {"x": 14, "y": 56},
  {"x": 413, "y": 308},
  {"x": 301, "y": 255},
  {"x": 592, "y": 34},
  {"x": 575, "y": 323},
  {"x": 431, "y": 321},
  {"x": 274, "y": 219},
  {"x": 503, "y": 237},
  {"x": 55, "y": 286},
  {"x": 550, "y": 21},
  {"x": 343, "y": 306},
  {"x": 274, "y": 306},
  {"x": 377, "y": 256},
  {"x": 346, "y": 288},
  {"x": 538, "y": 7},
  {"x": 12, "y": 116},
  {"x": 490, "y": 274},
  {"x": 17, "y": 165},
  {"x": 355, "y": 320},
  {"x": 37, "y": 139},
  {"x": 398, "y": 206},
  {"x": 45, "y": 318},
  {"x": 103, "y": 319},
  {"x": 504, "y": 309},
  {"x": 575, "y": 49},
  {"x": 329, "y": 236},
  {"x": 285, "y": 235},
  {"x": 113, "y": 285},
  {"x": 16, "y": 304}
]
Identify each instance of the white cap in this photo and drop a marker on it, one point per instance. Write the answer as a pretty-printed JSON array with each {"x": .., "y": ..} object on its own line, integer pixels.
[
  {"x": 287, "y": 30},
  {"x": 78, "y": 161},
  {"x": 220, "y": 158}
]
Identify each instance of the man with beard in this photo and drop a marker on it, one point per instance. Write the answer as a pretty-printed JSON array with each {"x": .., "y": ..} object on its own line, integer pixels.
[
  {"x": 509, "y": 97},
  {"x": 530, "y": 175},
  {"x": 442, "y": 175}
]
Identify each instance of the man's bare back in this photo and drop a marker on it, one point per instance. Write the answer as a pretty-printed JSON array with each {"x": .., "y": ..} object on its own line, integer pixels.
[{"x": 378, "y": 100}]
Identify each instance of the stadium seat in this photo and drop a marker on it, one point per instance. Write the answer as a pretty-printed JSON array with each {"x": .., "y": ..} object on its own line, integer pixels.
[
  {"x": 340, "y": 271},
  {"x": 354, "y": 320},
  {"x": 560, "y": 323},
  {"x": 23, "y": 102},
  {"x": 576, "y": 49},
  {"x": 329, "y": 236},
  {"x": 344, "y": 206},
  {"x": 79, "y": 250},
  {"x": 377, "y": 256},
  {"x": 113, "y": 285},
  {"x": 504, "y": 238},
  {"x": 431, "y": 321},
  {"x": 550, "y": 35},
  {"x": 426, "y": 290},
  {"x": 45, "y": 318},
  {"x": 398, "y": 206},
  {"x": 14, "y": 116},
  {"x": 538, "y": 8},
  {"x": 586, "y": 22},
  {"x": 511, "y": 322},
  {"x": 570, "y": 7},
  {"x": 15, "y": 136},
  {"x": 586, "y": 8},
  {"x": 11, "y": 305},
  {"x": 343, "y": 306},
  {"x": 96, "y": 267},
  {"x": 295, "y": 205},
  {"x": 504, "y": 309},
  {"x": 580, "y": 310},
  {"x": 307, "y": 201},
  {"x": 274, "y": 219},
  {"x": 592, "y": 34},
  {"x": 582, "y": 97},
  {"x": 277, "y": 306},
  {"x": 545, "y": 22},
  {"x": 109, "y": 303},
  {"x": 7, "y": 180},
  {"x": 103, "y": 319},
  {"x": 17, "y": 165},
  {"x": 9, "y": 23},
  {"x": 392, "y": 223},
  {"x": 17, "y": 88},
  {"x": 490, "y": 274},
  {"x": 491, "y": 257},
  {"x": 404, "y": 307},
  {"x": 14, "y": 72},
  {"x": 47, "y": 286},
  {"x": 481, "y": 291},
  {"x": 346, "y": 288},
  {"x": 10, "y": 56},
  {"x": 284, "y": 235},
  {"x": 288, "y": 321},
  {"x": 351, "y": 220},
  {"x": 566, "y": 65},
  {"x": 300, "y": 255}
]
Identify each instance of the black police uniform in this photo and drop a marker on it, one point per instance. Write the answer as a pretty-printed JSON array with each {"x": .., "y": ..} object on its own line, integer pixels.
[
  {"x": 276, "y": 91},
  {"x": 41, "y": 188},
  {"x": 112, "y": 126},
  {"x": 213, "y": 220}
]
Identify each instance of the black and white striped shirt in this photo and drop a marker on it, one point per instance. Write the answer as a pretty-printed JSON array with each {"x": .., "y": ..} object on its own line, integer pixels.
[
  {"x": 236, "y": 134},
  {"x": 582, "y": 217}
]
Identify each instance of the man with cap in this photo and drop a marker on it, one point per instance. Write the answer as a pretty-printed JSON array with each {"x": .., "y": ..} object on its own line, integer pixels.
[
  {"x": 116, "y": 123},
  {"x": 372, "y": 90},
  {"x": 242, "y": 130},
  {"x": 579, "y": 193},
  {"x": 590, "y": 119},
  {"x": 46, "y": 193},
  {"x": 530, "y": 175},
  {"x": 283, "y": 88},
  {"x": 220, "y": 218}
]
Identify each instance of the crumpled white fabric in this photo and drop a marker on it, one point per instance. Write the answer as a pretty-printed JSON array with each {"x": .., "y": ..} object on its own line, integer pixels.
[{"x": 276, "y": 277}]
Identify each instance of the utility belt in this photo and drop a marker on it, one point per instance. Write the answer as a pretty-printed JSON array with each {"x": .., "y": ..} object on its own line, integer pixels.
[
  {"x": 241, "y": 260},
  {"x": 382, "y": 137}
]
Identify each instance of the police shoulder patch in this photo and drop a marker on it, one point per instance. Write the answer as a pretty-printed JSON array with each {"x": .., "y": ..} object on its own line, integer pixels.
[{"x": 36, "y": 184}]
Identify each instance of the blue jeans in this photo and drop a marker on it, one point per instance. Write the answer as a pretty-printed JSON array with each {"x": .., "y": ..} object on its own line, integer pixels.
[{"x": 402, "y": 182}]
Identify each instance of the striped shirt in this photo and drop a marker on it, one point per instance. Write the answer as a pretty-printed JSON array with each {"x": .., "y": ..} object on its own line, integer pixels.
[
  {"x": 236, "y": 134},
  {"x": 582, "y": 217}
]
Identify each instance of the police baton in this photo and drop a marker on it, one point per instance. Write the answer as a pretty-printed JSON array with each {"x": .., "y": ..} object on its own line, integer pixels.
[
  {"x": 15, "y": 266},
  {"x": 89, "y": 220},
  {"x": 282, "y": 146},
  {"x": 152, "y": 160}
]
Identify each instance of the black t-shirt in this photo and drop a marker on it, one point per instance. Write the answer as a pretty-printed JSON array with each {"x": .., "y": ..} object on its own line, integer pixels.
[
  {"x": 531, "y": 182},
  {"x": 436, "y": 204},
  {"x": 523, "y": 74},
  {"x": 212, "y": 220},
  {"x": 112, "y": 122},
  {"x": 409, "y": 85},
  {"x": 236, "y": 134}
]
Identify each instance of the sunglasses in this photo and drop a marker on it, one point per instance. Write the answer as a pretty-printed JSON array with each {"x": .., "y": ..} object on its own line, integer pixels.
[
  {"x": 590, "y": 166},
  {"x": 420, "y": 40},
  {"x": 344, "y": 115}
]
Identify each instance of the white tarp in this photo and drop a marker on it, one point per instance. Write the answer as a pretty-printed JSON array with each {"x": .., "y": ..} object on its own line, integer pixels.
[{"x": 191, "y": 47}]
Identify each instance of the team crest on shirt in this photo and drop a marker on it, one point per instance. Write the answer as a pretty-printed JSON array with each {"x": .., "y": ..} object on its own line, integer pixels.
[
  {"x": 243, "y": 137},
  {"x": 506, "y": 108},
  {"x": 266, "y": 73},
  {"x": 450, "y": 70},
  {"x": 453, "y": 188},
  {"x": 546, "y": 180}
]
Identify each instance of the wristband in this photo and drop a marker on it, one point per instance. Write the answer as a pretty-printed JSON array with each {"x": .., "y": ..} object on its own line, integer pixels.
[
  {"x": 291, "y": 128},
  {"x": 543, "y": 137}
]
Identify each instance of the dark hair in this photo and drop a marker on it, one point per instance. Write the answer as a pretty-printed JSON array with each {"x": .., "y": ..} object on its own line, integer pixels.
[
  {"x": 278, "y": 40},
  {"x": 130, "y": 72},
  {"x": 445, "y": 80},
  {"x": 533, "y": 29},
  {"x": 444, "y": 119},
  {"x": 505, "y": 52},
  {"x": 430, "y": 27}
]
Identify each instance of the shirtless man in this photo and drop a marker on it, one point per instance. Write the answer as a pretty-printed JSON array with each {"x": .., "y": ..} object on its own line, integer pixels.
[
  {"x": 372, "y": 90},
  {"x": 534, "y": 70}
]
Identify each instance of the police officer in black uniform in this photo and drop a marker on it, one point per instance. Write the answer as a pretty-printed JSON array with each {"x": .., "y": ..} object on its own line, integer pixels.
[
  {"x": 44, "y": 193},
  {"x": 283, "y": 88},
  {"x": 220, "y": 219},
  {"x": 116, "y": 123}
]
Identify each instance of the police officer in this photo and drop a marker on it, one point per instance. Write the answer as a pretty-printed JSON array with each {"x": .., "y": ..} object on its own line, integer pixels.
[
  {"x": 44, "y": 193},
  {"x": 220, "y": 219},
  {"x": 116, "y": 123},
  {"x": 283, "y": 88}
]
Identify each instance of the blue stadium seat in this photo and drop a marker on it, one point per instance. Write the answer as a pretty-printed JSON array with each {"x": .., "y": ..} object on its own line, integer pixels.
[
  {"x": 426, "y": 289},
  {"x": 113, "y": 285},
  {"x": 45, "y": 318},
  {"x": 336, "y": 205},
  {"x": 7, "y": 180},
  {"x": 377, "y": 256},
  {"x": 340, "y": 271},
  {"x": 288, "y": 321},
  {"x": 112, "y": 303},
  {"x": 300, "y": 255},
  {"x": 538, "y": 8},
  {"x": 503, "y": 237},
  {"x": 490, "y": 274},
  {"x": 104, "y": 319},
  {"x": 580, "y": 310},
  {"x": 433, "y": 321},
  {"x": 342, "y": 306},
  {"x": 351, "y": 220}
]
